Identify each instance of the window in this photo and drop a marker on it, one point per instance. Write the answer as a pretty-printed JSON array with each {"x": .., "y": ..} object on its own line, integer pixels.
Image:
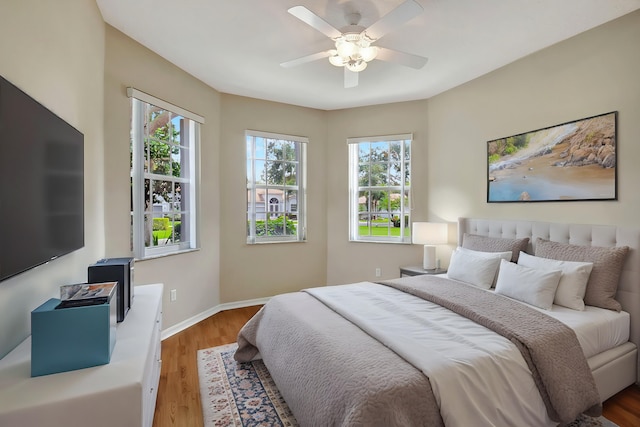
[
  {"x": 379, "y": 189},
  {"x": 164, "y": 151},
  {"x": 276, "y": 187},
  {"x": 273, "y": 206}
]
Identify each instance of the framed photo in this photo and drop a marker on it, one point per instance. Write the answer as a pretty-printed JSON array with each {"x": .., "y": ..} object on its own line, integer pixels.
[{"x": 567, "y": 162}]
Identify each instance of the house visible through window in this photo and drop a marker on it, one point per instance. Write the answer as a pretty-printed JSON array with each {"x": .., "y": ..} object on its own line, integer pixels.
[
  {"x": 275, "y": 187},
  {"x": 379, "y": 188},
  {"x": 164, "y": 149}
]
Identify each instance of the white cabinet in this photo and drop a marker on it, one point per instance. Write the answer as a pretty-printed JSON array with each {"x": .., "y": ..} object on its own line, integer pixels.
[
  {"x": 122, "y": 392},
  {"x": 152, "y": 371}
]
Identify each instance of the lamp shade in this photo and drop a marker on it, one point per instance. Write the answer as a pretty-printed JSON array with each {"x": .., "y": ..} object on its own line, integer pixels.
[{"x": 430, "y": 233}]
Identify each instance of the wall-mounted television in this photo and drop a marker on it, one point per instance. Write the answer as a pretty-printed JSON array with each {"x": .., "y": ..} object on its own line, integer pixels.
[{"x": 41, "y": 183}]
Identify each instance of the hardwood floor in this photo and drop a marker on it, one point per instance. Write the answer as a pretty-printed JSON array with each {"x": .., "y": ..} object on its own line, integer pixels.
[
  {"x": 178, "y": 401},
  {"x": 624, "y": 408}
]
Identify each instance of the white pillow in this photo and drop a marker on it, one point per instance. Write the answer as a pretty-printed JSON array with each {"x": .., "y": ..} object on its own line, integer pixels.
[
  {"x": 499, "y": 255},
  {"x": 535, "y": 287},
  {"x": 573, "y": 282},
  {"x": 469, "y": 267}
]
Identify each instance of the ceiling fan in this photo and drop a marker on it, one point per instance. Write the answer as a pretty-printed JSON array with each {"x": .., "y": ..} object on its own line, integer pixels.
[{"x": 354, "y": 44}]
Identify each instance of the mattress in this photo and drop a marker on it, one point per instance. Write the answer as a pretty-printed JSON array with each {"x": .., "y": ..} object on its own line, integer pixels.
[{"x": 597, "y": 329}]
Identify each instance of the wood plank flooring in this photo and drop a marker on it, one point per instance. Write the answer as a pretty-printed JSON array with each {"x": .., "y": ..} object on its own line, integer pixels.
[{"x": 178, "y": 401}]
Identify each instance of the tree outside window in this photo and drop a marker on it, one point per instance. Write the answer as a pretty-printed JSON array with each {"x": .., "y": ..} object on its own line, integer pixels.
[
  {"x": 163, "y": 153},
  {"x": 275, "y": 187},
  {"x": 379, "y": 184}
]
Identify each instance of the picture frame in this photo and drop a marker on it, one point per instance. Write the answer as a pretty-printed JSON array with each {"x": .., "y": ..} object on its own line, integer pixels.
[{"x": 572, "y": 161}]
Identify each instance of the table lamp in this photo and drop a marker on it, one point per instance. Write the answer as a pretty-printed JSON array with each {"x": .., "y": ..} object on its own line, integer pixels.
[{"x": 429, "y": 234}]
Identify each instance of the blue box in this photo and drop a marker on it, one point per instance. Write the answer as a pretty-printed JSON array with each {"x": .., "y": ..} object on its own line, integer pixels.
[{"x": 71, "y": 338}]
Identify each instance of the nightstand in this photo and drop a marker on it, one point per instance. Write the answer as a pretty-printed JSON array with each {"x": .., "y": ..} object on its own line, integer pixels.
[{"x": 417, "y": 270}]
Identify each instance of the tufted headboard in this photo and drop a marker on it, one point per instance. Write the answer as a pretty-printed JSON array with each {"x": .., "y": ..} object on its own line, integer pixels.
[{"x": 577, "y": 234}]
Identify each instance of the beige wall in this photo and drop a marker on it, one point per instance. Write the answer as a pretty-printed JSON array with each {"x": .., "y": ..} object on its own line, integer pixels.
[
  {"x": 255, "y": 271},
  {"x": 356, "y": 261},
  {"x": 194, "y": 275},
  {"x": 590, "y": 74},
  {"x": 43, "y": 54},
  {"x": 225, "y": 269},
  {"x": 593, "y": 73}
]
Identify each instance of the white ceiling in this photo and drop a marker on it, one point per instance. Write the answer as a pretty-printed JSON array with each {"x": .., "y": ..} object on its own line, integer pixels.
[{"x": 236, "y": 46}]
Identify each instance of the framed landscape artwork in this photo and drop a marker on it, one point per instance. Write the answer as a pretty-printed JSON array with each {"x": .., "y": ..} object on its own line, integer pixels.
[{"x": 572, "y": 161}]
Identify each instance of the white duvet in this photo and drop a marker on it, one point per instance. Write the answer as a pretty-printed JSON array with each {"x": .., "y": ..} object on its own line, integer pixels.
[{"x": 475, "y": 374}]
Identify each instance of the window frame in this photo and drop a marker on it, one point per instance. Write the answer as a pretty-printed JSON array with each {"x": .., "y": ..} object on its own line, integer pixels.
[
  {"x": 139, "y": 100},
  {"x": 355, "y": 188},
  {"x": 252, "y": 187}
]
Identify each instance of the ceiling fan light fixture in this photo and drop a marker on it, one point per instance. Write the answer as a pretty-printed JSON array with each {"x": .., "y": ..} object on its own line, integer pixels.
[
  {"x": 354, "y": 42},
  {"x": 356, "y": 65},
  {"x": 368, "y": 53},
  {"x": 346, "y": 48},
  {"x": 363, "y": 41},
  {"x": 336, "y": 59},
  {"x": 353, "y": 50}
]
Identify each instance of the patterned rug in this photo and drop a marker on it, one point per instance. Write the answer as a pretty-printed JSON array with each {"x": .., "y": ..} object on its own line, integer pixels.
[
  {"x": 239, "y": 394},
  {"x": 244, "y": 395}
]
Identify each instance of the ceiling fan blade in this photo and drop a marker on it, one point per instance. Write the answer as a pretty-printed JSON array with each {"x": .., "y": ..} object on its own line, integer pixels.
[
  {"x": 310, "y": 18},
  {"x": 392, "y": 20},
  {"x": 305, "y": 59},
  {"x": 406, "y": 59},
  {"x": 350, "y": 78}
]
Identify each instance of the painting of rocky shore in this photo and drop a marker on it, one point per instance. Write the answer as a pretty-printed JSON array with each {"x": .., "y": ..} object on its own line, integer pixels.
[{"x": 572, "y": 161}]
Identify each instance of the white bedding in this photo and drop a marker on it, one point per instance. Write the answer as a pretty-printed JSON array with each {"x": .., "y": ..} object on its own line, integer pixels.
[
  {"x": 474, "y": 372},
  {"x": 488, "y": 369},
  {"x": 597, "y": 329}
]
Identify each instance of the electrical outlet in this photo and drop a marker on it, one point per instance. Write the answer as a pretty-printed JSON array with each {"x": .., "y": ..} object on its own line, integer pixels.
[
  {"x": 378, "y": 272},
  {"x": 174, "y": 295}
]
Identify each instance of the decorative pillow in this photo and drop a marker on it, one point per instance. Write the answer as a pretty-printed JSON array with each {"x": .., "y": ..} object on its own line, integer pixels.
[
  {"x": 499, "y": 255},
  {"x": 607, "y": 267},
  {"x": 530, "y": 285},
  {"x": 476, "y": 270},
  {"x": 495, "y": 244},
  {"x": 573, "y": 282}
]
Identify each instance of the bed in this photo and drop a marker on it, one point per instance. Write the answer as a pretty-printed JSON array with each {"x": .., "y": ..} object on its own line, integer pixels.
[{"x": 341, "y": 356}]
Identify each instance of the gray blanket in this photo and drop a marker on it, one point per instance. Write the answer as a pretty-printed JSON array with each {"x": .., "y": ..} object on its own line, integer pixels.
[{"x": 331, "y": 373}]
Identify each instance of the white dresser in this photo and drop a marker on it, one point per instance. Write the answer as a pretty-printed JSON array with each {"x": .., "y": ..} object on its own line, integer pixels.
[{"x": 120, "y": 393}]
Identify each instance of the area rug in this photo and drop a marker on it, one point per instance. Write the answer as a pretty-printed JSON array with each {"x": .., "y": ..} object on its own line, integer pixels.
[
  {"x": 244, "y": 395},
  {"x": 239, "y": 394}
]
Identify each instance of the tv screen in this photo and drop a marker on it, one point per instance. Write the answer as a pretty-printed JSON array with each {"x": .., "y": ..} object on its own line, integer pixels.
[{"x": 41, "y": 183}]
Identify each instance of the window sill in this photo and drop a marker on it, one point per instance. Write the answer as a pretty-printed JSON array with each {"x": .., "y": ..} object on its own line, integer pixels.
[
  {"x": 180, "y": 252},
  {"x": 381, "y": 241},
  {"x": 270, "y": 242}
]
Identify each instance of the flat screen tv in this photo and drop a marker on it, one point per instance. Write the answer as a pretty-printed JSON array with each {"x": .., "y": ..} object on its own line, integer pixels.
[{"x": 41, "y": 184}]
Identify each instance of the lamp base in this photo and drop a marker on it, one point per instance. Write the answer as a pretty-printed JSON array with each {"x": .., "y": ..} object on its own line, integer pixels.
[{"x": 429, "y": 261}]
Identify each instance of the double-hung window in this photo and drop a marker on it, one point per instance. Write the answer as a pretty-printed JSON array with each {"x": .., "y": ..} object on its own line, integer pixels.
[
  {"x": 164, "y": 159},
  {"x": 276, "y": 187},
  {"x": 380, "y": 188}
]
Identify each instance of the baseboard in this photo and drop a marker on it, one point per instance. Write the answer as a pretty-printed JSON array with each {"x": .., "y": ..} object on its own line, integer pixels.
[{"x": 210, "y": 312}]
